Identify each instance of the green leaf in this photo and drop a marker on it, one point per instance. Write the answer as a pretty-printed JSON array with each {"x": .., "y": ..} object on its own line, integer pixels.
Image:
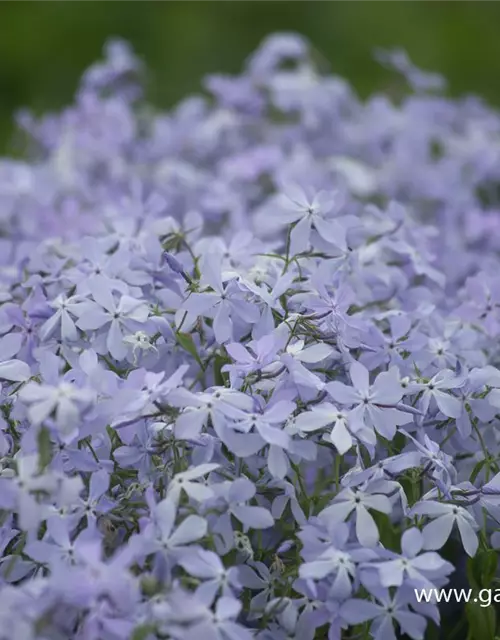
[
  {"x": 411, "y": 482},
  {"x": 481, "y": 569},
  {"x": 477, "y": 469},
  {"x": 482, "y": 621},
  {"x": 186, "y": 341},
  {"x": 484, "y": 567},
  {"x": 433, "y": 632},
  {"x": 150, "y": 586},
  {"x": 389, "y": 536},
  {"x": 44, "y": 448},
  {"x": 143, "y": 631},
  {"x": 473, "y": 575},
  {"x": 220, "y": 378}
]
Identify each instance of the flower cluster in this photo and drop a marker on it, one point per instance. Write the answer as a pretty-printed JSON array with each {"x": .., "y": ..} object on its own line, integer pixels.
[{"x": 248, "y": 357}]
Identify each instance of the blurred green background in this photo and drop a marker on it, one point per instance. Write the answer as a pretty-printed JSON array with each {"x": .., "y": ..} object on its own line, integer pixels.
[{"x": 44, "y": 46}]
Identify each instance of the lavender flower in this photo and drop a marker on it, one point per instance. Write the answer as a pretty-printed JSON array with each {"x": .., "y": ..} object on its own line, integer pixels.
[{"x": 249, "y": 359}]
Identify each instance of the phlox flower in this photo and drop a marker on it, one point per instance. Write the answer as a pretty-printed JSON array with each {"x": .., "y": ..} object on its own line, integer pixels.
[
  {"x": 437, "y": 532},
  {"x": 357, "y": 502},
  {"x": 374, "y": 405},
  {"x": 66, "y": 402},
  {"x": 106, "y": 312}
]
